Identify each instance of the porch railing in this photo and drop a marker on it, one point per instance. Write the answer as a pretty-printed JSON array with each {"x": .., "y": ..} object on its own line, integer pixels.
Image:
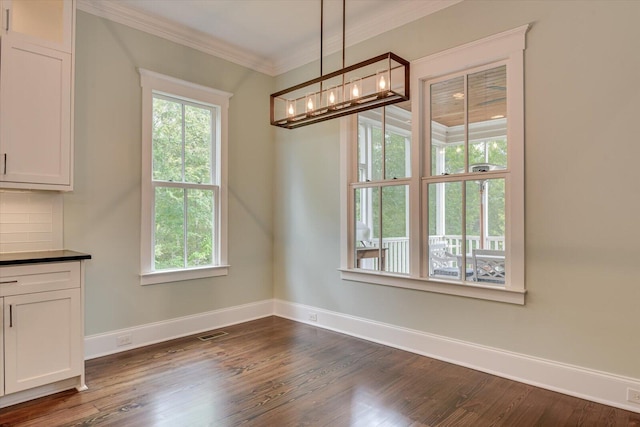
[{"x": 397, "y": 249}]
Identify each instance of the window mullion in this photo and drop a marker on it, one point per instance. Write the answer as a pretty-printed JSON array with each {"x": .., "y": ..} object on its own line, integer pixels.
[
  {"x": 380, "y": 227},
  {"x": 185, "y": 225},
  {"x": 463, "y": 243},
  {"x": 184, "y": 138},
  {"x": 384, "y": 142}
]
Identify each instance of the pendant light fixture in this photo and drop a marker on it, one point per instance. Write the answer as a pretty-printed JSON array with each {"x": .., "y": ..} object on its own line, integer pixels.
[{"x": 379, "y": 81}]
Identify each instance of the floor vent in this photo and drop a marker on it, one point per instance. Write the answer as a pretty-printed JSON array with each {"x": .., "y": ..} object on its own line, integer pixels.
[{"x": 213, "y": 336}]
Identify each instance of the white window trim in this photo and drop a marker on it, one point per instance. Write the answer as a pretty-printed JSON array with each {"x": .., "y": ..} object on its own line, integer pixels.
[
  {"x": 507, "y": 46},
  {"x": 155, "y": 82}
]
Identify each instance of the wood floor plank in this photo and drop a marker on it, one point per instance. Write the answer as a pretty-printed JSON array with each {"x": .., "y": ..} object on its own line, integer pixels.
[{"x": 276, "y": 372}]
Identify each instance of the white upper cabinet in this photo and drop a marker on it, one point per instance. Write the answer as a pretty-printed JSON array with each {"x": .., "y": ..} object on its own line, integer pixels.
[
  {"x": 36, "y": 94},
  {"x": 48, "y": 23}
]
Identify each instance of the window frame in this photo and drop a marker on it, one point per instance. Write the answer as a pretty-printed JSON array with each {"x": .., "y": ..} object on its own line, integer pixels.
[
  {"x": 508, "y": 48},
  {"x": 153, "y": 83}
]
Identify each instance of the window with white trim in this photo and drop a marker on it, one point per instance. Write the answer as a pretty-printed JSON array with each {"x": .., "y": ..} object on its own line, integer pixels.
[
  {"x": 380, "y": 189},
  {"x": 183, "y": 180},
  {"x": 446, "y": 212}
]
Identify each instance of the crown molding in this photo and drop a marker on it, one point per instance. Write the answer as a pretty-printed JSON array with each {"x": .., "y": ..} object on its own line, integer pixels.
[
  {"x": 176, "y": 33},
  {"x": 403, "y": 13}
]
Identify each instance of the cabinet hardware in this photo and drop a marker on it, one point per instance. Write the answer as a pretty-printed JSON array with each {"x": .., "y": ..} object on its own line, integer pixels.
[
  {"x": 8, "y": 281},
  {"x": 7, "y": 11},
  {"x": 4, "y": 169},
  {"x": 11, "y": 315}
]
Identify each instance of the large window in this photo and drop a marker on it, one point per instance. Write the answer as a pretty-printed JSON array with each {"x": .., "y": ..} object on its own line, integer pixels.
[
  {"x": 184, "y": 200},
  {"x": 380, "y": 189},
  {"x": 435, "y": 188},
  {"x": 468, "y": 171}
]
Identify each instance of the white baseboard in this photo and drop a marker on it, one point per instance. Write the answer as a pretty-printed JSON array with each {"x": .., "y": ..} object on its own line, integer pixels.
[
  {"x": 106, "y": 343},
  {"x": 601, "y": 387}
]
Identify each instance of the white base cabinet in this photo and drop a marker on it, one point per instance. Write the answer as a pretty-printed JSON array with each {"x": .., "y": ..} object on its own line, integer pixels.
[{"x": 41, "y": 327}]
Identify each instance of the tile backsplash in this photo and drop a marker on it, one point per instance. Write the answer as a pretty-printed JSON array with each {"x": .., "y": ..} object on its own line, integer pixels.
[{"x": 30, "y": 221}]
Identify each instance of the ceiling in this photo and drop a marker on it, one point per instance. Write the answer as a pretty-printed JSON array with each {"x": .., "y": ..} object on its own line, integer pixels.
[
  {"x": 486, "y": 95},
  {"x": 271, "y": 36}
]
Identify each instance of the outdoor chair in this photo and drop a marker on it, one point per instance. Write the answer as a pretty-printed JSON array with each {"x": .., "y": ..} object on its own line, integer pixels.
[
  {"x": 442, "y": 262},
  {"x": 488, "y": 266}
]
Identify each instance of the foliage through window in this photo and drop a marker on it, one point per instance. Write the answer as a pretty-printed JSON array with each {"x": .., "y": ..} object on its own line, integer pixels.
[
  {"x": 184, "y": 216},
  {"x": 184, "y": 190}
]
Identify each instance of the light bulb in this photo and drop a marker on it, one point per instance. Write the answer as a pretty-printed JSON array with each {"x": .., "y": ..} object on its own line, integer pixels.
[
  {"x": 355, "y": 91},
  {"x": 291, "y": 111},
  {"x": 332, "y": 98},
  {"x": 382, "y": 83},
  {"x": 310, "y": 104}
]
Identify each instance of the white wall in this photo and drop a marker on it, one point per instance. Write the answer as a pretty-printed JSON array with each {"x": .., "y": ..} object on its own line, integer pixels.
[
  {"x": 102, "y": 214},
  {"x": 582, "y": 204}
]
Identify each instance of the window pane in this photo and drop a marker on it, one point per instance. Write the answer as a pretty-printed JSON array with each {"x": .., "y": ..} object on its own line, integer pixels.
[
  {"x": 197, "y": 153},
  {"x": 495, "y": 190},
  {"x": 487, "y": 113},
  {"x": 199, "y": 227},
  {"x": 453, "y": 158},
  {"x": 445, "y": 230},
  {"x": 169, "y": 228},
  {"x": 370, "y": 145},
  {"x": 395, "y": 229},
  {"x": 167, "y": 140},
  {"x": 447, "y": 125},
  {"x": 367, "y": 237},
  {"x": 398, "y": 141},
  {"x": 485, "y": 230}
]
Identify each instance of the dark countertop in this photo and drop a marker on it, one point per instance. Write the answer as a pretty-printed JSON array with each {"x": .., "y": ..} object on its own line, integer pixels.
[{"x": 15, "y": 258}]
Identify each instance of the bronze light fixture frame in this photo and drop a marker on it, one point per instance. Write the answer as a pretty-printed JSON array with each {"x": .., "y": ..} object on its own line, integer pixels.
[{"x": 330, "y": 96}]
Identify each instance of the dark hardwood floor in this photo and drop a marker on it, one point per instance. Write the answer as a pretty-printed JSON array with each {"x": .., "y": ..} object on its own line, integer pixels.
[{"x": 275, "y": 372}]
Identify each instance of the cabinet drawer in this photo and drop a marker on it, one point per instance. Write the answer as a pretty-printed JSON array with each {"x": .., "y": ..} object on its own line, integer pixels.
[{"x": 26, "y": 279}]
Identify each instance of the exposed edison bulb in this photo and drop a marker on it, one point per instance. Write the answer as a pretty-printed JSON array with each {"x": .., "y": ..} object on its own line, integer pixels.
[
  {"x": 355, "y": 91},
  {"x": 291, "y": 111},
  {"x": 332, "y": 98},
  {"x": 382, "y": 83},
  {"x": 310, "y": 104}
]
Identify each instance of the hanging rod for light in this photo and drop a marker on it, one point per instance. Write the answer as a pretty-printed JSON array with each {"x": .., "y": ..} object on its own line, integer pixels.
[{"x": 379, "y": 81}]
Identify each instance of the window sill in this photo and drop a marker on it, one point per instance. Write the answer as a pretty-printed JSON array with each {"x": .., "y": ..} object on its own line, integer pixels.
[
  {"x": 167, "y": 276},
  {"x": 490, "y": 293}
]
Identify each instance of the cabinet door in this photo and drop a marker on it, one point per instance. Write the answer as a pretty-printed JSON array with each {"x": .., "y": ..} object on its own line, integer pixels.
[
  {"x": 35, "y": 114},
  {"x": 47, "y": 23},
  {"x": 43, "y": 339}
]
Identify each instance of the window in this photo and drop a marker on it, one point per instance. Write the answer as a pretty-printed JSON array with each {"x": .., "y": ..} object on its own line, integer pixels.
[
  {"x": 468, "y": 172},
  {"x": 434, "y": 190},
  {"x": 381, "y": 199},
  {"x": 183, "y": 175}
]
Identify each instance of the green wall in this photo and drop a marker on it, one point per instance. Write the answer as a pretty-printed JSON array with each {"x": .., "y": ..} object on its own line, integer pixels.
[
  {"x": 582, "y": 204},
  {"x": 102, "y": 214},
  {"x": 581, "y": 101}
]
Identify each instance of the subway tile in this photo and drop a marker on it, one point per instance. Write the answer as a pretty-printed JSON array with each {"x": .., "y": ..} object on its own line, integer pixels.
[
  {"x": 14, "y": 218},
  {"x": 14, "y": 237},
  {"x": 39, "y": 237}
]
